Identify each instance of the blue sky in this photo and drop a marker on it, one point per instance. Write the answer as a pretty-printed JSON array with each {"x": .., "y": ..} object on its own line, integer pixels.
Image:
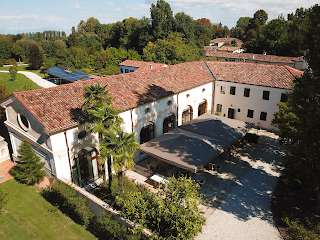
[{"x": 38, "y": 15}]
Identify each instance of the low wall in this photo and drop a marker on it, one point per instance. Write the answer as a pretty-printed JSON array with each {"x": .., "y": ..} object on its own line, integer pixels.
[{"x": 96, "y": 205}]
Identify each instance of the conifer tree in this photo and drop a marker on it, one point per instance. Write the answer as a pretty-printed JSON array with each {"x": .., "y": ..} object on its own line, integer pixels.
[{"x": 28, "y": 170}]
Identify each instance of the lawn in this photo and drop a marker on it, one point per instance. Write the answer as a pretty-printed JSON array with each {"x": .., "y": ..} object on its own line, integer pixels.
[
  {"x": 29, "y": 216},
  {"x": 20, "y": 84},
  {"x": 24, "y": 68}
]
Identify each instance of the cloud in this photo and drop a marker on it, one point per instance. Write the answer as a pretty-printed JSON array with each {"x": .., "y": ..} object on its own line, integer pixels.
[
  {"x": 76, "y": 6},
  {"x": 118, "y": 9},
  {"x": 111, "y": 4}
]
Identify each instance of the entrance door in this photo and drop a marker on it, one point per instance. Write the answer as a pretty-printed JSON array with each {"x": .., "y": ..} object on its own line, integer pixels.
[
  {"x": 85, "y": 167},
  {"x": 231, "y": 113}
]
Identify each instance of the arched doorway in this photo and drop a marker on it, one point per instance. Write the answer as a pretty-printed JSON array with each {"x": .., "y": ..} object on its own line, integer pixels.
[
  {"x": 202, "y": 109},
  {"x": 147, "y": 133},
  {"x": 168, "y": 123},
  {"x": 187, "y": 115},
  {"x": 85, "y": 166}
]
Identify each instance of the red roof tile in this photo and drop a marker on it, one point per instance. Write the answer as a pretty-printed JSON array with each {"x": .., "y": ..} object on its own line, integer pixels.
[
  {"x": 59, "y": 107},
  {"x": 269, "y": 75},
  {"x": 142, "y": 65},
  {"x": 252, "y": 57}
]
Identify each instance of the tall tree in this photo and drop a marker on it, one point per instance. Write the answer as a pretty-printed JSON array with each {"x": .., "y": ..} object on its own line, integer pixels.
[
  {"x": 121, "y": 147},
  {"x": 162, "y": 19},
  {"x": 101, "y": 115},
  {"x": 297, "y": 119},
  {"x": 29, "y": 168},
  {"x": 13, "y": 72},
  {"x": 36, "y": 57},
  {"x": 3, "y": 93}
]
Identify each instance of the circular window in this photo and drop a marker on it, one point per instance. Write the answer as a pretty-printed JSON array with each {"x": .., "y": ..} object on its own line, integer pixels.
[
  {"x": 147, "y": 110},
  {"x": 239, "y": 110},
  {"x": 23, "y": 122},
  {"x": 188, "y": 95},
  {"x": 169, "y": 102},
  {"x": 203, "y": 90},
  {"x": 82, "y": 134}
]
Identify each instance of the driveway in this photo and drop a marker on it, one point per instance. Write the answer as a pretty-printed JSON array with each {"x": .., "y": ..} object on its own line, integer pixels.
[
  {"x": 35, "y": 78},
  {"x": 245, "y": 213}
]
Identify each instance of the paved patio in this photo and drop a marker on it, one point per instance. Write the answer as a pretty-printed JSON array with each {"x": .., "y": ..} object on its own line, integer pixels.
[{"x": 4, "y": 170}]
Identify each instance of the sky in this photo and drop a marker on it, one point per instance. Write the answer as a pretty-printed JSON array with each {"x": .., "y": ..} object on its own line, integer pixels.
[{"x": 22, "y": 16}]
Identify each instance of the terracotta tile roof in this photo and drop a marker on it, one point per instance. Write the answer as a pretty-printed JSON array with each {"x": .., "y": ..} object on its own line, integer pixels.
[
  {"x": 269, "y": 75},
  {"x": 142, "y": 65},
  {"x": 252, "y": 57},
  {"x": 58, "y": 108},
  {"x": 229, "y": 39},
  {"x": 228, "y": 48}
]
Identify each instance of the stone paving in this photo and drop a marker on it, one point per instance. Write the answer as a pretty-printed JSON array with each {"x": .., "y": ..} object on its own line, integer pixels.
[{"x": 4, "y": 170}]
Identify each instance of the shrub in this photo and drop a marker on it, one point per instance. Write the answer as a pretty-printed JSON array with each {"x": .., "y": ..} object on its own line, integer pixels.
[
  {"x": 297, "y": 232},
  {"x": 172, "y": 214},
  {"x": 108, "y": 228},
  {"x": 66, "y": 198},
  {"x": 10, "y": 61}
]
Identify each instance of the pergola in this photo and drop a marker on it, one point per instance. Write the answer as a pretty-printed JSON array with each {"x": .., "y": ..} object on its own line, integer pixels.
[{"x": 193, "y": 145}]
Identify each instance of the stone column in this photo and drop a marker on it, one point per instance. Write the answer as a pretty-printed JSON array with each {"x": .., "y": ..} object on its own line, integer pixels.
[{"x": 4, "y": 151}]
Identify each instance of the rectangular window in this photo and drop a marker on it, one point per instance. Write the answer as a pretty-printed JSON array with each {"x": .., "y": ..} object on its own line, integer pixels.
[
  {"x": 131, "y": 70},
  {"x": 126, "y": 70},
  {"x": 246, "y": 92},
  {"x": 263, "y": 116},
  {"x": 222, "y": 90},
  {"x": 121, "y": 70},
  {"x": 283, "y": 97},
  {"x": 233, "y": 90},
  {"x": 219, "y": 107},
  {"x": 250, "y": 113},
  {"x": 266, "y": 95}
]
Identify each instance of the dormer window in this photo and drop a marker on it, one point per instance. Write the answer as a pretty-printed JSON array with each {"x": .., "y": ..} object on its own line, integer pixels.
[{"x": 169, "y": 102}]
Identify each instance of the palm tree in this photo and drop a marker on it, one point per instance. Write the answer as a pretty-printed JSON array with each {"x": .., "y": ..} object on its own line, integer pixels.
[
  {"x": 121, "y": 146},
  {"x": 101, "y": 115}
]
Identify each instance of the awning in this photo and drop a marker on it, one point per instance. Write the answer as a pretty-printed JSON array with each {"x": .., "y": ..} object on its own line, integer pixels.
[{"x": 195, "y": 144}]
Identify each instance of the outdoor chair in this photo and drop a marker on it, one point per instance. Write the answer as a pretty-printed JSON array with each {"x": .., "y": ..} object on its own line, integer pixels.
[{"x": 211, "y": 167}]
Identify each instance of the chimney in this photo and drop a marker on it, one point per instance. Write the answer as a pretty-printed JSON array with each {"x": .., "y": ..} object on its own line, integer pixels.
[{"x": 150, "y": 66}]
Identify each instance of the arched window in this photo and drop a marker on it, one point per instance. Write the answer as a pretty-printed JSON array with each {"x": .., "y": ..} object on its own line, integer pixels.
[
  {"x": 187, "y": 115},
  {"x": 168, "y": 123},
  {"x": 202, "y": 109},
  {"x": 147, "y": 133}
]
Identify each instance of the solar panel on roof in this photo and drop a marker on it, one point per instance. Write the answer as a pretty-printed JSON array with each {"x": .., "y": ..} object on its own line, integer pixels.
[{"x": 64, "y": 73}]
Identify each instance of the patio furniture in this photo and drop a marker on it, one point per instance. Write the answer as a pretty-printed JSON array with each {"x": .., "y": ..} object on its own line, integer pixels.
[
  {"x": 172, "y": 172},
  {"x": 158, "y": 178},
  {"x": 211, "y": 167},
  {"x": 154, "y": 166},
  {"x": 199, "y": 179}
]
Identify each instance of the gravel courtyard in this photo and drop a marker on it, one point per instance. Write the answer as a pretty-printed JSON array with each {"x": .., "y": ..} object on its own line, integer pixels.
[{"x": 245, "y": 212}]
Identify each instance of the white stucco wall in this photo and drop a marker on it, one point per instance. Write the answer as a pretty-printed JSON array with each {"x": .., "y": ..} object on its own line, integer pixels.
[{"x": 253, "y": 102}]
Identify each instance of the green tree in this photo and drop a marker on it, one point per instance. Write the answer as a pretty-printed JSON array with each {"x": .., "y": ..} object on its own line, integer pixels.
[
  {"x": 120, "y": 146},
  {"x": 100, "y": 116},
  {"x": 36, "y": 57},
  {"x": 29, "y": 168},
  {"x": 297, "y": 119},
  {"x": 162, "y": 19},
  {"x": 237, "y": 32},
  {"x": 22, "y": 46},
  {"x": 243, "y": 22},
  {"x": 13, "y": 72},
  {"x": 172, "y": 50},
  {"x": 3, "y": 93}
]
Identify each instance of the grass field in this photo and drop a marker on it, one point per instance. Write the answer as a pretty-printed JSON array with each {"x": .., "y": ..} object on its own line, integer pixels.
[
  {"x": 19, "y": 84},
  {"x": 24, "y": 68},
  {"x": 29, "y": 216}
]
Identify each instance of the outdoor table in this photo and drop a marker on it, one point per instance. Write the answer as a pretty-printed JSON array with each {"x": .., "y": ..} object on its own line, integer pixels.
[
  {"x": 154, "y": 165},
  {"x": 158, "y": 178}
]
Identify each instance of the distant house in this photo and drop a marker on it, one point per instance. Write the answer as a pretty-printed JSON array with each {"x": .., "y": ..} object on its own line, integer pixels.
[
  {"x": 62, "y": 75},
  {"x": 134, "y": 65},
  {"x": 218, "y": 42},
  {"x": 294, "y": 62}
]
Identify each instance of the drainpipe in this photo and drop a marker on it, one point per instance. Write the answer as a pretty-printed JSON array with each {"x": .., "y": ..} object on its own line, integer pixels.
[
  {"x": 131, "y": 121},
  {"x": 177, "y": 109},
  {"x": 65, "y": 135}
]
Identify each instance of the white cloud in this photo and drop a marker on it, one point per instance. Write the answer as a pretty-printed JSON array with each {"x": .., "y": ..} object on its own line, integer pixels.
[
  {"x": 118, "y": 9},
  {"x": 111, "y": 4},
  {"x": 76, "y": 6}
]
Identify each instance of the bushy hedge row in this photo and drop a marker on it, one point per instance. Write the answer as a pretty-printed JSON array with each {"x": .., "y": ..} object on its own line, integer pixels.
[{"x": 103, "y": 226}]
